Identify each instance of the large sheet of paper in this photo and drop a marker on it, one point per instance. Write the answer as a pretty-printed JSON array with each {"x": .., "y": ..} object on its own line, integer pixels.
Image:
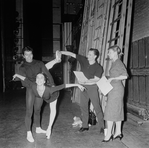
[
  {"x": 80, "y": 76},
  {"x": 104, "y": 85}
]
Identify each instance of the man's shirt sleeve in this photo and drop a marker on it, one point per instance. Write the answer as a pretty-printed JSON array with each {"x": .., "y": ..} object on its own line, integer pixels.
[{"x": 99, "y": 71}]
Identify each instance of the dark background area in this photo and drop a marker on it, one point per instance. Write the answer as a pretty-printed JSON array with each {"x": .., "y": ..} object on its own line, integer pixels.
[
  {"x": 38, "y": 25},
  {"x": 38, "y": 33},
  {"x": 37, "y": 19}
]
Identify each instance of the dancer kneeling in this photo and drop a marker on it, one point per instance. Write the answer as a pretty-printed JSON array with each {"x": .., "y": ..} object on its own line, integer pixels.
[{"x": 47, "y": 93}]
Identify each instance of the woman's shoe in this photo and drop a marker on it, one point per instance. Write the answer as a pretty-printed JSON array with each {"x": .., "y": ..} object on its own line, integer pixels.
[
  {"x": 120, "y": 136},
  {"x": 111, "y": 138}
]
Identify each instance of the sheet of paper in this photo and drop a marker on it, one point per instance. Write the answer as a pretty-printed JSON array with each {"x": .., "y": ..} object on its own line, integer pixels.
[
  {"x": 104, "y": 85},
  {"x": 80, "y": 76}
]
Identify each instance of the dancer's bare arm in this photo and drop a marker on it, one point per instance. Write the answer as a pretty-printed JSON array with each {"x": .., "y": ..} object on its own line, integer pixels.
[
  {"x": 82, "y": 88},
  {"x": 67, "y": 53},
  {"x": 50, "y": 64},
  {"x": 19, "y": 76}
]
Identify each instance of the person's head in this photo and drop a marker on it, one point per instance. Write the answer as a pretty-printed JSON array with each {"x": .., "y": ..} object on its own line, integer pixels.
[
  {"x": 114, "y": 52},
  {"x": 28, "y": 54},
  {"x": 41, "y": 79},
  {"x": 93, "y": 54}
]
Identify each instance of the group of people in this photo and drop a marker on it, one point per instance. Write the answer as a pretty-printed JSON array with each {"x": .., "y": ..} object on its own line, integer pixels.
[
  {"x": 40, "y": 86},
  {"x": 113, "y": 114}
]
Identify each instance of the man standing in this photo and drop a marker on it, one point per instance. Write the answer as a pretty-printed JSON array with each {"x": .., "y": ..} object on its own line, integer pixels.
[
  {"x": 30, "y": 68},
  {"x": 93, "y": 72}
]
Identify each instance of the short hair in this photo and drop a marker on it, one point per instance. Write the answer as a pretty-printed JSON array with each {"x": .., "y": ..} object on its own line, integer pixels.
[
  {"x": 27, "y": 48},
  {"x": 96, "y": 52},
  {"x": 117, "y": 49}
]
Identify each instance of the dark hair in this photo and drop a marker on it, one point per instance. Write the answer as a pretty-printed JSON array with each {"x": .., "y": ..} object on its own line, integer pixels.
[
  {"x": 27, "y": 48},
  {"x": 47, "y": 82},
  {"x": 117, "y": 49},
  {"x": 96, "y": 52},
  {"x": 45, "y": 76}
]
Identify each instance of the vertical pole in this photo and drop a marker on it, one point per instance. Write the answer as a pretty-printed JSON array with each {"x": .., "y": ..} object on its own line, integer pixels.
[
  {"x": 67, "y": 41},
  {"x": 2, "y": 47},
  {"x": 128, "y": 27},
  {"x": 19, "y": 9}
]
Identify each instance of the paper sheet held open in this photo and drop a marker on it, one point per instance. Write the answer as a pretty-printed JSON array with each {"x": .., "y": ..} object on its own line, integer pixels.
[
  {"x": 104, "y": 85},
  {"x": 80, "y": 76}
]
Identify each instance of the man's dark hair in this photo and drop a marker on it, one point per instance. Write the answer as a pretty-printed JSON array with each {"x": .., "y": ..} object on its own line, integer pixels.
[
  {"x": 27, "y": 48},
  {"x": 96, "y": 52}
]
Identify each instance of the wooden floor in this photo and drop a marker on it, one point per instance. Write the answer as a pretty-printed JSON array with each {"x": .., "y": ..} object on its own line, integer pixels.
[{"x": 13, "y": 133}]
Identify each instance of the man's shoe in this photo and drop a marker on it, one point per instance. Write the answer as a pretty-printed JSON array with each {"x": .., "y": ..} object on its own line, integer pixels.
[
  {"x": 30, "y": 136},
  {"x": 82, "y": 129},
  {"x": 101, "y": 131}
]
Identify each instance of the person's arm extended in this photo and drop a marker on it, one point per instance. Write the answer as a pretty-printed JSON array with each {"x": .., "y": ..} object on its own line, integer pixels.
[
  {"x": 50, "y": 64},
  {"x": 118, "y": 78},
  {"x": 67, "y": 53},
  {"x": 90, "y": 81},
  {"x": 57, "y": 59},
  {"x": 19, "y": 76},
  {"x": 25, "y": 82},
  {"x": 75, "y": 85},
  {"x": 62, "y": 86}
]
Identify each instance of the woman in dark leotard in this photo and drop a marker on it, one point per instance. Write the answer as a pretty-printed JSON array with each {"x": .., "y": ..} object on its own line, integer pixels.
[{"x": 47, "y": 93}]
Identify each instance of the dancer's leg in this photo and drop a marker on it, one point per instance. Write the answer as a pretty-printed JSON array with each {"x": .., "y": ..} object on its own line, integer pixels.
[
  {"x": 29, "y": 111},
  {"x": 52, "y": 106},
  {"x": 37, "y": 108}
]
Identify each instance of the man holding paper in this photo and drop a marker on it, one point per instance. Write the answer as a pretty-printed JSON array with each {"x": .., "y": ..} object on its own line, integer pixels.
[{"x": 93, "y": 72}]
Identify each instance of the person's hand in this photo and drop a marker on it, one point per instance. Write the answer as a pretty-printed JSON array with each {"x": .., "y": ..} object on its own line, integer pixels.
[
  {"x": 14, "y": 76},
  {"x": 82, "y": 88},
  {"x": 110, "y": 79},
  {"x": 58, "y": 56}
]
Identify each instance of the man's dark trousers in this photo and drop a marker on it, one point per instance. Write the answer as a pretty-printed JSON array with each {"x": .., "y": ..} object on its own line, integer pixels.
[{"x": 91, "y": 93}]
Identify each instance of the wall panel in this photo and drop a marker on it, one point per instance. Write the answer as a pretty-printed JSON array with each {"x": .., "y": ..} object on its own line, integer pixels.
[{"x": 138, "y": 84}]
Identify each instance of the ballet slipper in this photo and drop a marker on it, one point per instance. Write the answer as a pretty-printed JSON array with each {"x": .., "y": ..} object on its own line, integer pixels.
[
  {"x": 30, "y": 136},
  {"x": 40, "y": 131},
  {"x": 48, "y": 133}
]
